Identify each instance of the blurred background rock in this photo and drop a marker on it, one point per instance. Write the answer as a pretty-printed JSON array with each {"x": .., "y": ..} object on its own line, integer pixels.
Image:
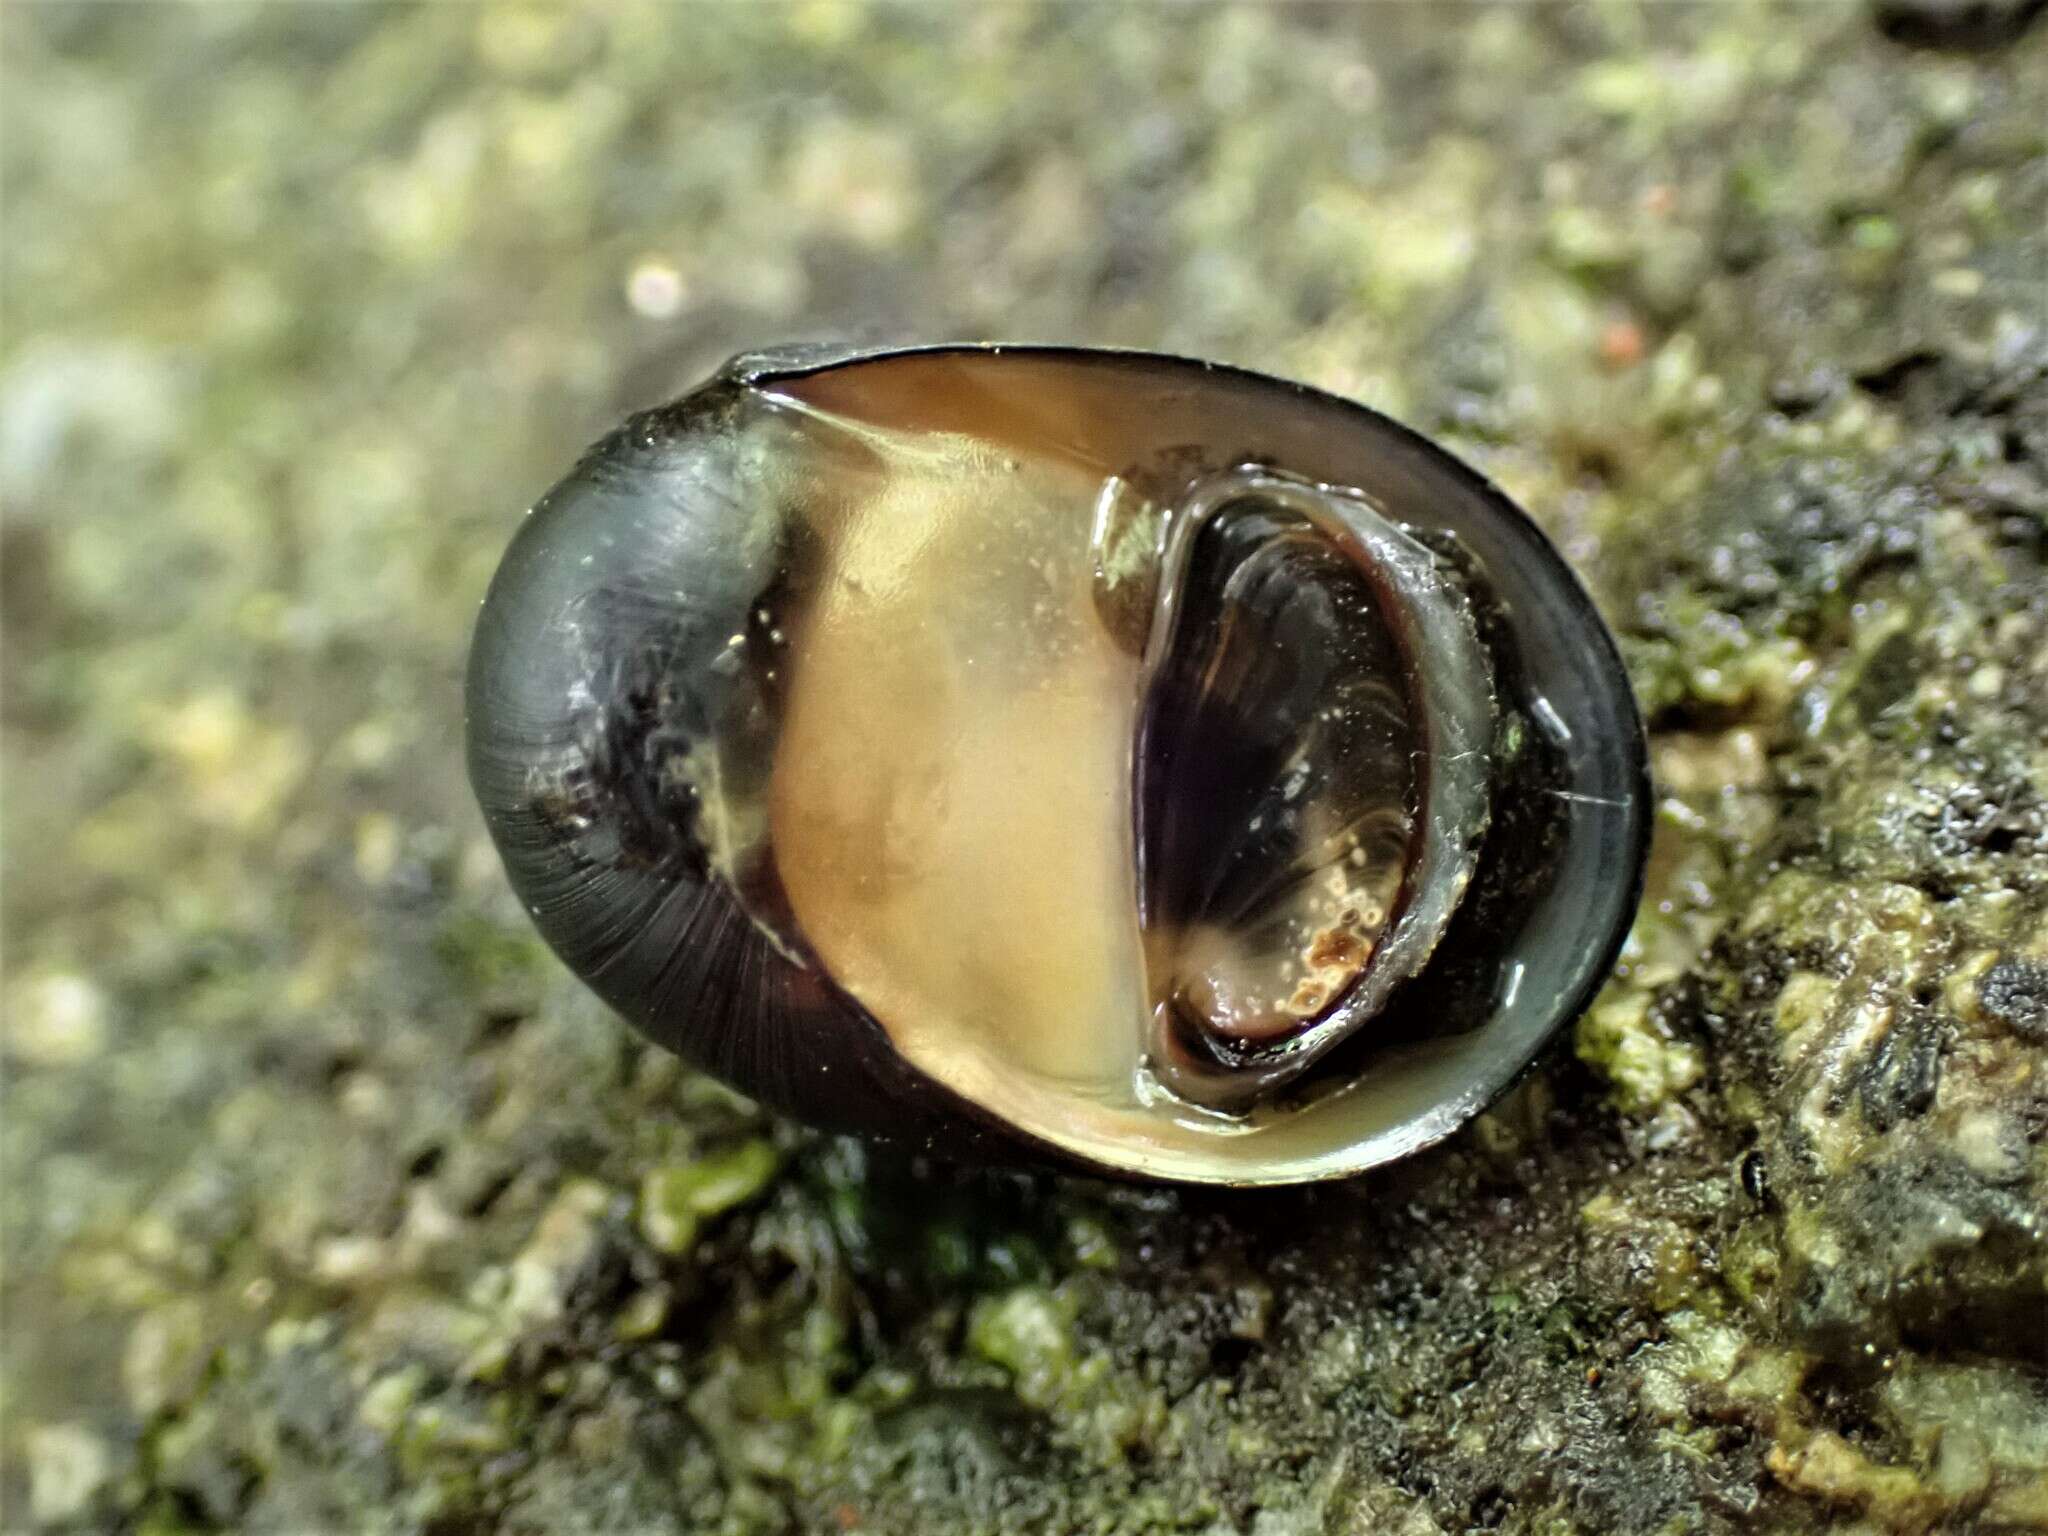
[{"x": 331, "y": 1205}]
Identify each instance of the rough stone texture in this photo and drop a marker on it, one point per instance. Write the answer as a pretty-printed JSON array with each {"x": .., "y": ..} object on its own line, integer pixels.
[{"x": 332, "y": 1205}]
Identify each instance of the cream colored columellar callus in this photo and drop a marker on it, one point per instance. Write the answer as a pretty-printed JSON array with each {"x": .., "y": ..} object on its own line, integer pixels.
[{"x": 1080, "y": 756}]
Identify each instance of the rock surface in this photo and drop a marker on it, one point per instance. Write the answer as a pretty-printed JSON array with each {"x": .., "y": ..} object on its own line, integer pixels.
[{"x": 333, "y": 1205}]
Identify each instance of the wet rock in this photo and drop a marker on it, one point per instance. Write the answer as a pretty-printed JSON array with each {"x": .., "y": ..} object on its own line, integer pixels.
[{"x": 2015, "y": 993}]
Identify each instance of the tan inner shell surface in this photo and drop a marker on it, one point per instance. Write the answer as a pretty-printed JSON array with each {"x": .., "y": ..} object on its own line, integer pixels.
[
  {"x": 950, "y": 800},
  {"x": 950, "y": 797}
]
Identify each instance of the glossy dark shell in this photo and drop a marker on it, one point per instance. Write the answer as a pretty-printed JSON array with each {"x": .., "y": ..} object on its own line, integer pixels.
[{"x": 638, "y": 686}]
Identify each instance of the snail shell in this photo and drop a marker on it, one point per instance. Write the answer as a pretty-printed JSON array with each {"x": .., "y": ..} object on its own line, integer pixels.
[{"x": 1091, "y": 756}]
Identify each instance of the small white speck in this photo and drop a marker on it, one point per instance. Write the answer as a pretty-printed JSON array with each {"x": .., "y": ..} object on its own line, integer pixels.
[
  {"x": 1507, "y": 999},
  {"x": 656, "y": 289}
]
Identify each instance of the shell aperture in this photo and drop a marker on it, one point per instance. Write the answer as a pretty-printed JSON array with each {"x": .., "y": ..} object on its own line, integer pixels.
[
  {"x": 1311, "y": 771},
  {"x": 1157, "y": 767}
]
